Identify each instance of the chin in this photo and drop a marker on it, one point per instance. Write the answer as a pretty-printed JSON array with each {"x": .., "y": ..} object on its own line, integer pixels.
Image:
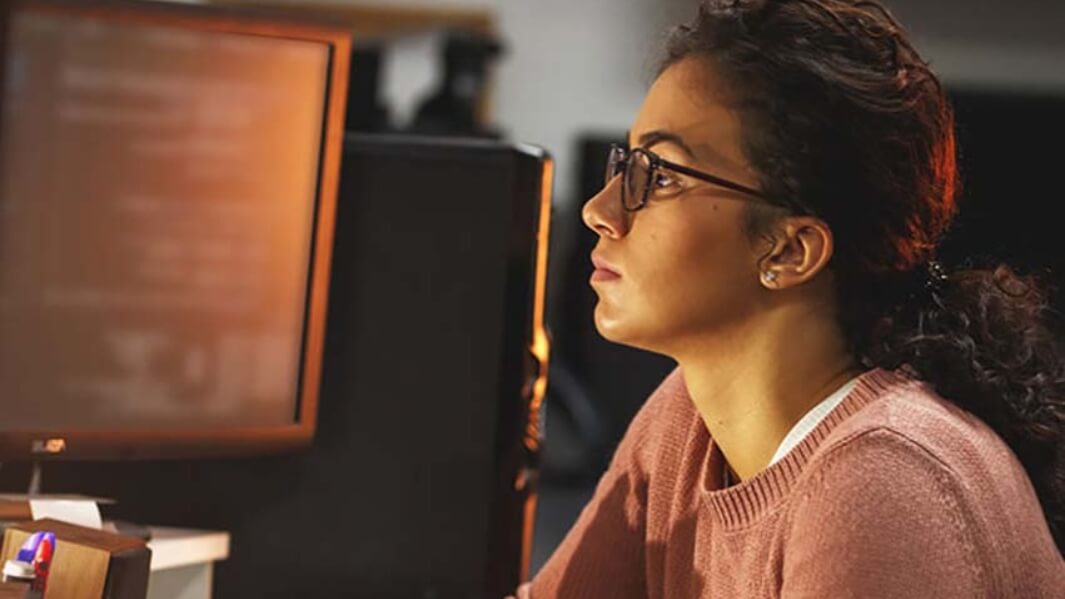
[
  {"x": 608, "y": 325},
  {"x": 646, "y": 330},
  {"x": 620, "y": 330}
]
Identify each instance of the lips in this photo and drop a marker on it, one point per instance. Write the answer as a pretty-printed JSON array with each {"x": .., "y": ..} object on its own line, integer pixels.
[{"x": 604, "y": 270}]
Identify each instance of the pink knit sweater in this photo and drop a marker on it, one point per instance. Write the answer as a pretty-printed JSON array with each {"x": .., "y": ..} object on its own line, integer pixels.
[{"x": 896, "y": 494}]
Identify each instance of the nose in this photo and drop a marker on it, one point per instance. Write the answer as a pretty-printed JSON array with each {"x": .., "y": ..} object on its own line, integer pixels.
[{"x": 603, "y": 212}]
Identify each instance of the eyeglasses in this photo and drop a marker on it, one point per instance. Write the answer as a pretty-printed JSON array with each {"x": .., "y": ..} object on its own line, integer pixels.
[{"x": 640, "y": 168}]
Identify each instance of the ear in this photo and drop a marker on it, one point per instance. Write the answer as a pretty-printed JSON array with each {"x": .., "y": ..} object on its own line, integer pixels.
[{"x": 802, "y": 248}]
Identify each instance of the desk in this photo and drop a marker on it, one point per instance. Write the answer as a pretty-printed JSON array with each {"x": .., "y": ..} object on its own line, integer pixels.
[{"x": 182, "y": 564}]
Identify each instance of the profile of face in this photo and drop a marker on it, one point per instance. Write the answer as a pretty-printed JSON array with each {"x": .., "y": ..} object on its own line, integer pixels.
[{"x": 683, "y": 267}]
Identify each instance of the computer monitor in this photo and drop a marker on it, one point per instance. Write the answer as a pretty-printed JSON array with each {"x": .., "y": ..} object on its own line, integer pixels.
[
  {"x": 168, "y": 179},
  {"x": 421, "y": 481}
]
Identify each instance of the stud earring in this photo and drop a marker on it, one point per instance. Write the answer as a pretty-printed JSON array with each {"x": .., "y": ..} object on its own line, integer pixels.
[{"x": 770, "y": 277}]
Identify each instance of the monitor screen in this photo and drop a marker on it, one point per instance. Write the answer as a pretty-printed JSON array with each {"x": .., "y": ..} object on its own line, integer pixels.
[{"x": 160, "y": 195}]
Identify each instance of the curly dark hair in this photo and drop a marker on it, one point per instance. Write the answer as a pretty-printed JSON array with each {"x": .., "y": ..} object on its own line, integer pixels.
[{"x": 841, "y": 115}]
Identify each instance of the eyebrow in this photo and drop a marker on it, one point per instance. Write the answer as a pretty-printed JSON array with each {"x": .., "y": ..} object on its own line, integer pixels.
[
  {"x": 651, "y": 138},
  {"x": 655, "y": 136}
]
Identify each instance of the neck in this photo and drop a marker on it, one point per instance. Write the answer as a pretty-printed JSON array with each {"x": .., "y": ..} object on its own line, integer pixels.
[{"x": 750, "y": 387}]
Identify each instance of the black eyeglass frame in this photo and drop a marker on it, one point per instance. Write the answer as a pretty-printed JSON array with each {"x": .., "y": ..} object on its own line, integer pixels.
[{"x": 620, "y": 155}]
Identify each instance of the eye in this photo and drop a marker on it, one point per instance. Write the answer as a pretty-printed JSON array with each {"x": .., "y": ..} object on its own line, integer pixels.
[{"x": 665, "y": 183}]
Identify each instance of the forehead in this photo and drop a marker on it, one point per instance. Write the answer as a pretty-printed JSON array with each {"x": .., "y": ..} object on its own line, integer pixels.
[{"x": 690, "y": 100}]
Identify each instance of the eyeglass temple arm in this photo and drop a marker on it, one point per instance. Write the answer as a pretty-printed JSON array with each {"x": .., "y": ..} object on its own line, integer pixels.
[{"x": 709, "y": 178}]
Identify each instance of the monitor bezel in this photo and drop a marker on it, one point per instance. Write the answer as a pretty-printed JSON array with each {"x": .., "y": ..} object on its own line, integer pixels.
[{"x": 238, "y": 441}]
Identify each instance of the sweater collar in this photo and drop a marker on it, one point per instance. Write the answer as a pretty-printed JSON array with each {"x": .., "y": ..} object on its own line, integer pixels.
[{"x": 744, "y": 502}]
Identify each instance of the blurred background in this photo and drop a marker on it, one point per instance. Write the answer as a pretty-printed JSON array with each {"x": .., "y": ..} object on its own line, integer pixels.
[{"x": 569, "y": 75}]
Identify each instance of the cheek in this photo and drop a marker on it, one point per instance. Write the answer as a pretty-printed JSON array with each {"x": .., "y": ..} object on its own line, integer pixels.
[
  {"x": 696, "y": 270},
  {"x": 692, "y": 250}
]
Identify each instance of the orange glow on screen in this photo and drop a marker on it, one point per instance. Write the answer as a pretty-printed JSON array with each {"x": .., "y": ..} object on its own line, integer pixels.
[{"x": 156, "y": 214}]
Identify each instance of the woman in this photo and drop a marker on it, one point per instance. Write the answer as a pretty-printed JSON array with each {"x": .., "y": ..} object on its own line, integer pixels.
[{"x": 848, "y": 418}]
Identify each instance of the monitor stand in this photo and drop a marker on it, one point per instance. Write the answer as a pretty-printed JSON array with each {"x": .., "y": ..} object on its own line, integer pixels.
[{"x": 35, "y": 479}]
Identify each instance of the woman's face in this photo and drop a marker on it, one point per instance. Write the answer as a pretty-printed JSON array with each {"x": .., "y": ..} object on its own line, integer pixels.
[{"x": 685, "y": 266}]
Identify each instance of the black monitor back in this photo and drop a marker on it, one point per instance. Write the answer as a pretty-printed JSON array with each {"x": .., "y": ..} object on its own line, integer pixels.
[{"x": 431, "y": 323}]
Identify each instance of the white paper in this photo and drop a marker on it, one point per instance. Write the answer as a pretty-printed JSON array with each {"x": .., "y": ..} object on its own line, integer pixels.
[{"x": 83, "y": 513}]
